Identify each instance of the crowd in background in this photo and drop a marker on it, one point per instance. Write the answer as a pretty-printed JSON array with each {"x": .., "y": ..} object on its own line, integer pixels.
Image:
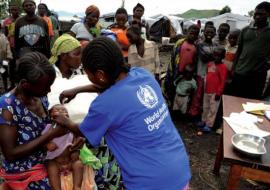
[{"x": 133, "y": 142}]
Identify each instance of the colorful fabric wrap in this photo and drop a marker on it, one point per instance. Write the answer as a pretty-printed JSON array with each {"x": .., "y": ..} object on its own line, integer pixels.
[
  {"x": 64, "y": 44},
  {"x": 88, "y": 158},
  {"x": 20, "y": 181}
]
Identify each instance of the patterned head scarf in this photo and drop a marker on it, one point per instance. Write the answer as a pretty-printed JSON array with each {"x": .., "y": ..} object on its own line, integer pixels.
[
  {"x": 91, "y": 9},
  {"x": 64, "y": 44},
  {"x": 32, "y": 1}
]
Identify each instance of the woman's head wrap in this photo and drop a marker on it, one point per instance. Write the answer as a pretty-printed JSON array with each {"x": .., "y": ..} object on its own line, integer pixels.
[
  {"x": 64, "y": 44},
  {"x": 91, "y": 9}
]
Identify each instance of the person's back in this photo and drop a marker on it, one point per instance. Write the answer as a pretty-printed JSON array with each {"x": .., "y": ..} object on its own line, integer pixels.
[
  {"x": 143, "y": 137},
  {"x": 149, "y": 61},
  {"x": 142, "y": 53}
]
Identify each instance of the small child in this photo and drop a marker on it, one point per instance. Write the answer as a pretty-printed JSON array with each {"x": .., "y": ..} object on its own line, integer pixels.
[
  {"x": 64, "y": 167},
  {"x": 185, "y": 86},
  {"x": 231, "y": 49},
  {"x": 187, "y": 50},
  {"x": 214, "y": 85},
  {"x": 223, "y": 31},
  {"x": 120, "y": 29}
]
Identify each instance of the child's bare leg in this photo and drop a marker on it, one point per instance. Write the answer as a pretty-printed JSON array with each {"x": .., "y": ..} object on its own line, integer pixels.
[
  {"x": 54, "y": 175},
  {"x": 77, "y": 171}
]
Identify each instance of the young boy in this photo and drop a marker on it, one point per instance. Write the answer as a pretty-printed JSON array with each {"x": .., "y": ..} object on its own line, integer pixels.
[
  {"x": 231, "y": 49},
  {"x": 205, "y": 54},
  {"x": 185, "y": 85},
  {"x": 221, "y": 38},
  {"x": 214, "y": 85}
]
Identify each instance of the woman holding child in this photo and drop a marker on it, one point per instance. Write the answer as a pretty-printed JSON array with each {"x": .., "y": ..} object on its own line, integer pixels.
[{"x": 23, "y": 116}]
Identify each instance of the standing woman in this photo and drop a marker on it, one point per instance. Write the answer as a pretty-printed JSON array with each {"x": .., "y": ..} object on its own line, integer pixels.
[
  {"x": 90, "y": 29},
  {"x": 138, "y": 12},
  {"x": 23, "y": 116},
  {"x": 139, "y": 131}
]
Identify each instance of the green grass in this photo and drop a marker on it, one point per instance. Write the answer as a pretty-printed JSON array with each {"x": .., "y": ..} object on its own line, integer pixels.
[{"x": 193, "y": 13}]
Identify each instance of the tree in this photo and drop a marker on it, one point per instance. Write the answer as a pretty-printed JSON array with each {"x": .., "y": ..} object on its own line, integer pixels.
[
  {"x": 4, "y": 6},
  {"x": 225, "y": 9}
]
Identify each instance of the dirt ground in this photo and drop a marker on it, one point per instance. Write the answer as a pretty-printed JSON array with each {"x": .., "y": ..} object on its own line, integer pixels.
[{"x": 202, "y": 152}]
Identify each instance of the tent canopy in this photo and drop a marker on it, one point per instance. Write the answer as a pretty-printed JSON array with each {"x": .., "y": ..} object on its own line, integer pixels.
[
  {"x": 235, "y": 21},
  {"x": 164, "y": 26}
]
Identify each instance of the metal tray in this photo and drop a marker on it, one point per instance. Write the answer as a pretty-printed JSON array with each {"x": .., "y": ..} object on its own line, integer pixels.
[{"x": 249, "y": 144}]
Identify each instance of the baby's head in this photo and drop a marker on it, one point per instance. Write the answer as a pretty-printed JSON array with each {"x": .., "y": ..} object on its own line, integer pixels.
[{"x": 58, "y": 108}]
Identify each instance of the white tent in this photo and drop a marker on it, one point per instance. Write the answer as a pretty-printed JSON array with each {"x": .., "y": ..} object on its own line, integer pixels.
[
  {"x": 235, "y": 21},
  {"x": 175, "y": 21}
]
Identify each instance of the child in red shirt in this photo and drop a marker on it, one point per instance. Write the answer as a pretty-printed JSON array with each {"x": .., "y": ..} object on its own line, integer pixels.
[{"x": 214, "y": 84}]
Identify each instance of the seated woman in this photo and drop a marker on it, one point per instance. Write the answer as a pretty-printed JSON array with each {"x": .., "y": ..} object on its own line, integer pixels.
[
  {"x": 23, "y": 116},
  {"x": 142, "y": 53},
  {"x": 120, "y": 29}
]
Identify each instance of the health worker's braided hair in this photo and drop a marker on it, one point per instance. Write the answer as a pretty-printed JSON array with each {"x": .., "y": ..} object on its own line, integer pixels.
[{"x": 104, "y": 54}]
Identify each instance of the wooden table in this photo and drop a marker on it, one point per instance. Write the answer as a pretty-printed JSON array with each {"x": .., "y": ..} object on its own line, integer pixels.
[{"x": 257, "y": 169}]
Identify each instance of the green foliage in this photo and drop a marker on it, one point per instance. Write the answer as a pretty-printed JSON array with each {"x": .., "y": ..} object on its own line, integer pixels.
[
  {"x": 193, "y": 13},
  {"x": 225, "y": 9},
  {"x": 4, "y": 7}
]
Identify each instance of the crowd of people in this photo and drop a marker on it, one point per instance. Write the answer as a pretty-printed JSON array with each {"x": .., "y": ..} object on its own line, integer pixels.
[
  {"x": 221, "y": 61},
  {"x": 116, "y": 144}
]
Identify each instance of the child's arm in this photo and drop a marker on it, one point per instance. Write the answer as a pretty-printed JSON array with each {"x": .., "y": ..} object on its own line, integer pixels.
[{"x": 54, "y": 175}]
